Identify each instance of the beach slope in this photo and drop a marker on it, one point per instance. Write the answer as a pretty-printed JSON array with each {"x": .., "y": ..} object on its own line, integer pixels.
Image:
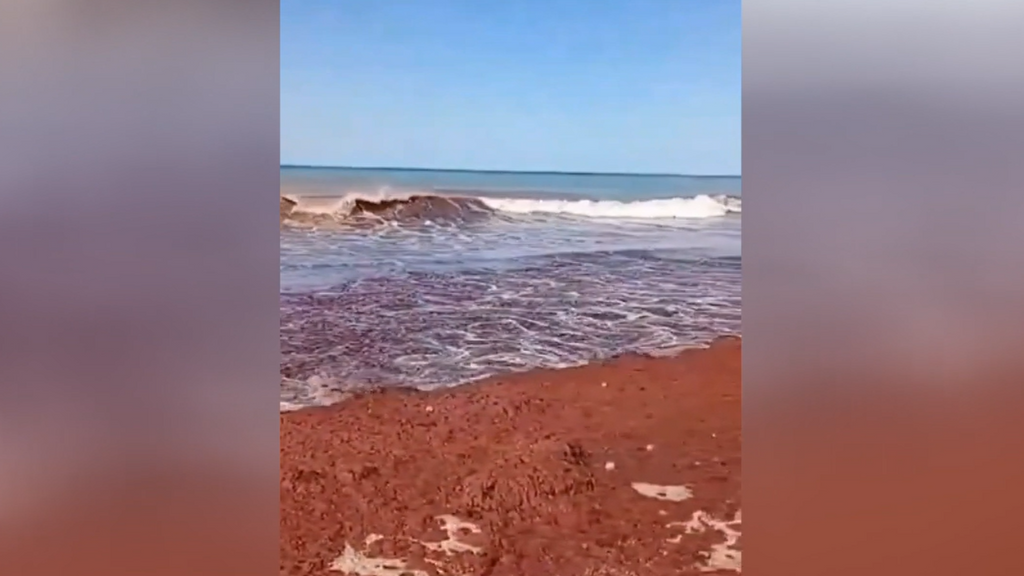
[{"x": 629, "y": 466}]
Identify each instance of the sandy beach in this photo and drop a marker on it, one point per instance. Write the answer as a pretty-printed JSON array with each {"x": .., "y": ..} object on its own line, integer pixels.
[{"x": 625, "y": 467}]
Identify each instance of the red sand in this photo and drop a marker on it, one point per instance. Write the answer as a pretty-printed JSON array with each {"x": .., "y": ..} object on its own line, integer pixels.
[{"x": 525, "y": 459}]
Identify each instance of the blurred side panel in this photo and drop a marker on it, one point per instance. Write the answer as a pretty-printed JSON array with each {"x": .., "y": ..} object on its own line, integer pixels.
[
  {"x": 138, "y": 293},
  {"x": 883, "y": 287}
]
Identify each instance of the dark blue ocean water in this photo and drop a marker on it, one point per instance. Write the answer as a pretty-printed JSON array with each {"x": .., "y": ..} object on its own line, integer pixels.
[{"x": 329, "y": 181}]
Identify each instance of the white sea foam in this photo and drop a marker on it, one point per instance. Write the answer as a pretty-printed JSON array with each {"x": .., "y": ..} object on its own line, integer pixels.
[
  {"x": 356, "y": 563},
  {"x": 702, "y": 206},
  {"x": 417, "y": 329},
  {"x": 722, "y": 556},
  {"x": 670, "y": 493}
]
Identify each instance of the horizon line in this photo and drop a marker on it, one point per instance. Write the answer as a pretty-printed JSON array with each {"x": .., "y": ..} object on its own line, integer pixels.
[{"x": 494, "y": 171}]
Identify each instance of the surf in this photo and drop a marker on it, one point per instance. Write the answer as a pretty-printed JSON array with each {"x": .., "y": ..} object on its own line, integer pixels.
[
  {"x": 701, "y": 206},
  {"x": 417, "y": 206}
]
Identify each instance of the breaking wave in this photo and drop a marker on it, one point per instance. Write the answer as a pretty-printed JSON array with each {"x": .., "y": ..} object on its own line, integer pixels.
[
  {"x": 418, "y": 206},
  {"x": 702, "y": 206}
]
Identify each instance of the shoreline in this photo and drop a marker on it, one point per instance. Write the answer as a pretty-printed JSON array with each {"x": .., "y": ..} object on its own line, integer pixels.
[
  {"x": 339, "y": 396},
  {"x": 624, "y": 466}
]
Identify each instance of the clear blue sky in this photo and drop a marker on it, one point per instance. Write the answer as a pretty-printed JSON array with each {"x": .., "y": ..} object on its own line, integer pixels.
[{"x": 584, "y": 85}]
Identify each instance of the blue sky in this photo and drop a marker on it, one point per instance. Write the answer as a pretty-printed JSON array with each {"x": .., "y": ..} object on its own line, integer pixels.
[{"x": 584, "y": 85}]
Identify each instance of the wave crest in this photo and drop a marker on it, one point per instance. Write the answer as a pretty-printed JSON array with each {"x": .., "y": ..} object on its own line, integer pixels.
[
  {"x": 420, "y": 207},
  {"x": 401, "y": 208},
  {"x": 702, "y": 206}
]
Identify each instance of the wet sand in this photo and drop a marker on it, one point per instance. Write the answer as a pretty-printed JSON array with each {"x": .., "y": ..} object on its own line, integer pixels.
[{"x": 624, "y": 467}]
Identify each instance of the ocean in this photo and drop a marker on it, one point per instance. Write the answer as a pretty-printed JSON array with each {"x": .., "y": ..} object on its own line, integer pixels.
[{"x": 431, "y": 278}]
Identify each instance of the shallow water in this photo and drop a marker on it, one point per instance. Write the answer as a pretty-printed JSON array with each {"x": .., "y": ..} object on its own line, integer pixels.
[{"x": 424, "y": 294}]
